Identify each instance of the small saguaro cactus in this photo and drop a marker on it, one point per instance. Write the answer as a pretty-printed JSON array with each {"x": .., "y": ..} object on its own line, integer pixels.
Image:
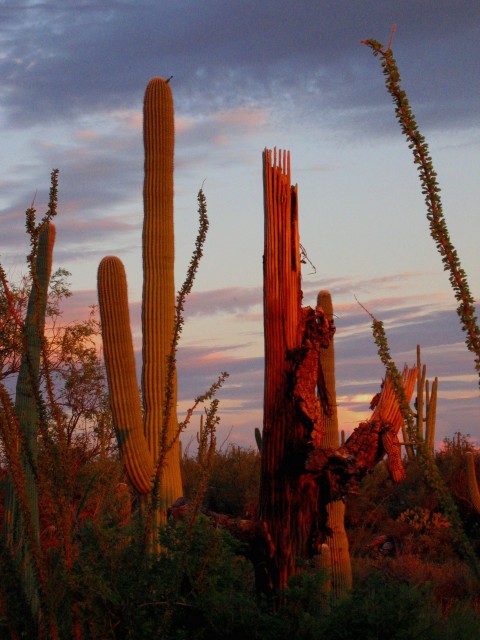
[
  {"x": 426, "y": 406},
  {"x": 337, "y": 541},
  {"x": 147, "y": 438},
  {"x": 472, "y": 481}
]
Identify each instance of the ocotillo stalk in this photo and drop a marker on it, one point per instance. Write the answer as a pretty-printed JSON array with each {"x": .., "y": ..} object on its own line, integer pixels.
[
  {"x": 472, "y": 481},
  {"x": 337, "y": 541},
  {"x": 144, "y": 441},
  {"x": 22, "y": 529}
]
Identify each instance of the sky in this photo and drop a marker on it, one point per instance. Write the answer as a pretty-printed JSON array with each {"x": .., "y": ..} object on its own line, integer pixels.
[{"x": 248, "y": 76}]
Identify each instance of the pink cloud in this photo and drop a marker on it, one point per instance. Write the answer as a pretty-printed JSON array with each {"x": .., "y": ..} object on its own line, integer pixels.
[
  {"x": 227, "y": 300},
  {"x": 86, "y": 135},
  {"x": 429, "y": 321},
  {"x": 245, "y": 117}
]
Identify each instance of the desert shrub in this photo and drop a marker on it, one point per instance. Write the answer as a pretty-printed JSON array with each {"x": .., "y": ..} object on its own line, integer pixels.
[
  {"x": 387, "y": 604},
  {"x": 382, "y": 607},
  {"x": 461, "y": 623},
  {"x": 451, "y": 461},
  {"x": 198, "y": 587},
  {"x": 234, "y": 478}
]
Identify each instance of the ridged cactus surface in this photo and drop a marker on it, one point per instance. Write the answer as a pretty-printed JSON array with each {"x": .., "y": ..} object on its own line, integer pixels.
[
  {"x": 122, "y": 381},
  {"x": 143, "y": 438},
  {"x": 337, "y": 540}
]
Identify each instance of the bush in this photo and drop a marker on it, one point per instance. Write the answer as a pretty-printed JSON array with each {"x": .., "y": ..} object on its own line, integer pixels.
[
  {"x": 387, "y": 607},
  {"x": 234, "y": 480}
]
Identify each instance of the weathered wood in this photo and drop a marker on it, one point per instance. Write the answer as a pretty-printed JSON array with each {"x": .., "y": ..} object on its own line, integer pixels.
[{"x": 292, "y": 411}]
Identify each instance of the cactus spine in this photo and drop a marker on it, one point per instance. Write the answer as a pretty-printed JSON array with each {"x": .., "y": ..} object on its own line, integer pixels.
[
  {"x": 337, "y": 541},
  {"x": 146, "y": 440}
]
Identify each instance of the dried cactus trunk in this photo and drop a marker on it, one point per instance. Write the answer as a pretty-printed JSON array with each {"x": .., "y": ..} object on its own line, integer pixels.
[
  {"x": 282, "y": 314},
  {"x": 289, "y": 495},
  {"x": 336, "y": 538},
  {"x": 144, "y": 441}
]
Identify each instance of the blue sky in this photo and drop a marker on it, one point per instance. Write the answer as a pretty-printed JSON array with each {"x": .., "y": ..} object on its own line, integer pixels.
[{"x": 250, "y": 75}]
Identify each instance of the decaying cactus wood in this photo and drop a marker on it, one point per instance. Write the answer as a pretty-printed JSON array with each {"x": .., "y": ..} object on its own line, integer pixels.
[
  {"x": 299, "y": 475},
  {"x": 292, "y": 419}
]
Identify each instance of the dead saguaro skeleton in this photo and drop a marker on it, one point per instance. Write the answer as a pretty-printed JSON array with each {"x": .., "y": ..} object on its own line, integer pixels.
[
  {"x": 299, "y": 475},
  {"x": 303, "y": 468},
  {"x": 289, "y": 496}
]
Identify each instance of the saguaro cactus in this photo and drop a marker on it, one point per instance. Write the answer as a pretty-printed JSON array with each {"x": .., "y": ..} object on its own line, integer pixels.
[
  {"x": 426, "y": 405},
  {"x": 472, "y": 481},
  {"x": 145, "y": 440},
  {"x": 302, "y": 472},
  {"x": 336, "y": 538}
]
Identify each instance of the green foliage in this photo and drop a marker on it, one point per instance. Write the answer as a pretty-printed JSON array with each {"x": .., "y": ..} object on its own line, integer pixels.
[
  {"x": 199, "y": 587},
  {"x": 382, "y": 608},
  {"x": 70, "y": 362},
  {"x": 233, "y": 484}
]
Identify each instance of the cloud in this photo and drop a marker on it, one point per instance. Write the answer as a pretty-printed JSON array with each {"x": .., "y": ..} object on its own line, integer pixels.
[
  {"x": 236, "y": 54},
  {"x": 227, "y": 300}
]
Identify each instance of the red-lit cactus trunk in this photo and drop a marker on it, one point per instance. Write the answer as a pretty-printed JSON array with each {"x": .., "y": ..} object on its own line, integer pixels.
[{"x": 288, "y": 499}]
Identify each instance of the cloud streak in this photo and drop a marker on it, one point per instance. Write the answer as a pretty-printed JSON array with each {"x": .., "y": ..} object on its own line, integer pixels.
[
  {"x": 60, "y": 53},
  {"x": 431, "y": 323}
]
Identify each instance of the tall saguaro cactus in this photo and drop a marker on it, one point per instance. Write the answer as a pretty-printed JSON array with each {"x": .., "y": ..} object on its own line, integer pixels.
[{"x": 149, "y": 439}]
